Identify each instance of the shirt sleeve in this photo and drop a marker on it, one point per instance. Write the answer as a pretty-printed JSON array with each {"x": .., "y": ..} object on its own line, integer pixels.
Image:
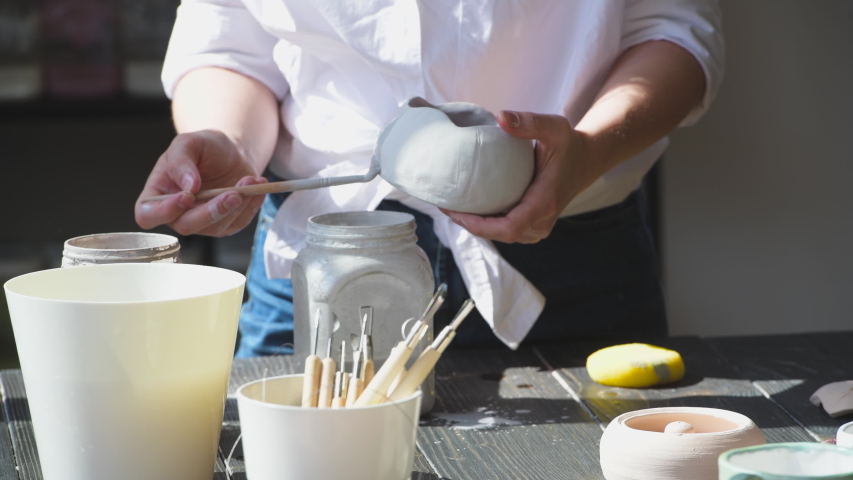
[
  {"x": 221, "y": 33},
  {"x": 695, "y": 25}
]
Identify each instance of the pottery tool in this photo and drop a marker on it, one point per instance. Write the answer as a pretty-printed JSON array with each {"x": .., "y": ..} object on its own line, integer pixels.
[
  {"x": 416, "y": 375},
  {"x": 327, "y": 378},
  {"x": 356, "y": 383},
  {"x": 313, "y": 366},
  {"x": 367, "y": 366},
  {"x": 635, "y": 365},
  {"x": 339, "y": 399},
  {"x": 278, "y": 187},
  {"x": 375, "y": 392}
]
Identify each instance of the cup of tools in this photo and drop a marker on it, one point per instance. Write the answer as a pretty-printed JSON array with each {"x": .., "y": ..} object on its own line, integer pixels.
[{"x": 284, "y": 441}]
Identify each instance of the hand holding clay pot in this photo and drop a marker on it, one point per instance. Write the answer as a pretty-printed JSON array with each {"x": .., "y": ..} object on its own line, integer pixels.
[
  {"x": 195, "y": 161},
  {"x": 560, "y": 175}
]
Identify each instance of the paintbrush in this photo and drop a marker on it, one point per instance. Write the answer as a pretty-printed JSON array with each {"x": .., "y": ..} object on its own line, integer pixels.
[{"x": 278, "y": 187}]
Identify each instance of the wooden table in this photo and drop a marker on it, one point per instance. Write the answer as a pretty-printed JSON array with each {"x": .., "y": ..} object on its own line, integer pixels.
[{"x": 547, "y": 414}]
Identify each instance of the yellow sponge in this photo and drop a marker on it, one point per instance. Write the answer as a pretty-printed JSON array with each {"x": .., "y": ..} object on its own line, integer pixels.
[{"x": 635, "y": 365}]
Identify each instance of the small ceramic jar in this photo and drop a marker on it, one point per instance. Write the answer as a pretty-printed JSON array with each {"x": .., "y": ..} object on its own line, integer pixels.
[{"x": 673, "y": 443}]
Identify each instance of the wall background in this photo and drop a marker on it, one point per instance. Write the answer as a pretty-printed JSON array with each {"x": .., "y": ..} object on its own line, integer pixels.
[{"x": 757, "y": 206}]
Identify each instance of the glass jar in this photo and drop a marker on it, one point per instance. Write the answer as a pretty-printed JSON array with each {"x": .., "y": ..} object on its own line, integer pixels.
[
  {"x": 354, "y": 260},
  {"x": 130, "y": 247}
]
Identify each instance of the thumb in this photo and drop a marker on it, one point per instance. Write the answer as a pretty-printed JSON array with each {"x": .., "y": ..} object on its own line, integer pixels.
[
  {"x": 533, "y": 126},
  {"x": 182, "y": 167}
]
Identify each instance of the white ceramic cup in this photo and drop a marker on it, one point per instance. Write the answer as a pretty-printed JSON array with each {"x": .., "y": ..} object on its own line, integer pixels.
[
  {"x": 845, "y": 435},
  {"x": 283, "y": 441},
  {"x": 787, "y": 461},
  {"x": 126, "y": 367}
]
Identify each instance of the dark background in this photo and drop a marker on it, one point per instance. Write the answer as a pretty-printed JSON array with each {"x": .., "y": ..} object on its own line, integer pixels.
[{"x": 80, "y": 130}]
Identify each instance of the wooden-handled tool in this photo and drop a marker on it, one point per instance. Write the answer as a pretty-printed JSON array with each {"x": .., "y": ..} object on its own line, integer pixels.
[
  {"x": 278, "y": 187},
  {"x": 339, "y": 399},
  {"x": 327, "y": 378},
  {"x": 367, "y": 367},
  {"x": 356, "y": 383},
  {"x": 375, "y": 391},
  {"x": 427, "y": 360},
  {"x": 313, "y": 368}
]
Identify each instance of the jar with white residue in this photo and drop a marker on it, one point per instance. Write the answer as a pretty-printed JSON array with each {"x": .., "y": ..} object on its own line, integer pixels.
[
  {"x": 354, "y": 260},
  {"x": 124, "y": 247}
]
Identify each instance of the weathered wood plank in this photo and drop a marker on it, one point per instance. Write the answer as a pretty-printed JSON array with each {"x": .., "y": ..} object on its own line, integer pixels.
[
  {"x": 17, "y": 412},
  {"x": 533, "y": 429},
  {"x": 710, "y": 381},
  {"x": 790, "y": 368},
  {"x": 7, "y": 455}
]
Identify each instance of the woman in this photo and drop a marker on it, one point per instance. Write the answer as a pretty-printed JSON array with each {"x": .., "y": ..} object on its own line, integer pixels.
[{"x": 301, "y": 88}]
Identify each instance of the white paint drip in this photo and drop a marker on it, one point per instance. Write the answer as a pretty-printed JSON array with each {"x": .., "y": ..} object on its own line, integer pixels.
[{"x": 473, "y": 421}]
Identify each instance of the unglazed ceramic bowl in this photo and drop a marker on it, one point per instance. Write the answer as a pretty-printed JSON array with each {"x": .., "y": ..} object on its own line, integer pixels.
[
  {"x": 673, "y": 443},
  {"x": 455, "y": 156},
  {"x": 788, "y": 461}
]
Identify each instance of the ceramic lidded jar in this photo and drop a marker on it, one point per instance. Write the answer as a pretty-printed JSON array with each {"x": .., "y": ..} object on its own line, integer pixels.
[
  {"x": 673, "y": 443},
  {"x": 356, "y": 259}
]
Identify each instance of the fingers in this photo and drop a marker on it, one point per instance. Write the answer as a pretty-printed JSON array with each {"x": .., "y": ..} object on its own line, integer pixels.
[
  {"x": 181, "y": 162},
  {"x": 516, "y": 226},
  {"x": 151, "y": 214},
  {"x": 223, "y": 215},
  {"x": 549, "y": 129}
]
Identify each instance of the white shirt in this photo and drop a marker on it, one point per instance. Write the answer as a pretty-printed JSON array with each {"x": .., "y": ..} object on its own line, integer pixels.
[{"x": 342, "y": 68}]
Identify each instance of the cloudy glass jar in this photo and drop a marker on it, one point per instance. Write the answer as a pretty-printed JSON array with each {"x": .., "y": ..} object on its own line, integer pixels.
[{"x": 354, "y": 260}]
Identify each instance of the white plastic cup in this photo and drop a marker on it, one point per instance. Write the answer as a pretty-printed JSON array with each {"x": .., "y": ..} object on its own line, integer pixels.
[
  {"x": 123, "y": 247},
  {"x": 283, "y": 441},
  {"x": 126, "y": 367}
]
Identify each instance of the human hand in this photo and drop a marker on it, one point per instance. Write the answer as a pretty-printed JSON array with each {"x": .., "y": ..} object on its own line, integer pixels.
[
  {"x": 194, "y": 161},
  {"x": 562, "y": 171}
]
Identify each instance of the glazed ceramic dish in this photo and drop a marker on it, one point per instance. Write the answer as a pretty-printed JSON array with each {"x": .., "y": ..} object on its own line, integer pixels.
[
  {"x": 673, "y": 443},
  {"x": 788, "y": 461}
]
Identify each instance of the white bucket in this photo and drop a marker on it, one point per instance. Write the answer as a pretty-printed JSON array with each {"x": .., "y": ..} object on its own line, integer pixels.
[
  {"x": 126, "y": 367},
  {"x": 283, "y": 441}
]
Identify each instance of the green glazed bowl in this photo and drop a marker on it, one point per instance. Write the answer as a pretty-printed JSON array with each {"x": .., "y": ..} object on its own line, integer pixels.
[{"x": 787, "y": 461}]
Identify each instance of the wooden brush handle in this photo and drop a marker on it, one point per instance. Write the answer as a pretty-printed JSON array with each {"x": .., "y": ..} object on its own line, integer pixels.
[
  {"x": 416, "y": 375},
  {"x": 369, "y": 371},
  {"x": 356, "y": 387},
  {"x": 327, "y": 382},
  {"x": 375, "y": 391},
  {"x": 273, "y": 187},
  {"x": 311, "y": 381}
]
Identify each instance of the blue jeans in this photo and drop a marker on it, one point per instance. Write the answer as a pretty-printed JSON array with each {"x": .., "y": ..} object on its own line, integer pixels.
[{"x": 599, "y": 273}]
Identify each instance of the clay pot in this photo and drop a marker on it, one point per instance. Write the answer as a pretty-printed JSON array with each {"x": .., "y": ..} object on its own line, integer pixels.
[
  {"x": 673, "y": 443},
  {"x": 455, "y": 156}
]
